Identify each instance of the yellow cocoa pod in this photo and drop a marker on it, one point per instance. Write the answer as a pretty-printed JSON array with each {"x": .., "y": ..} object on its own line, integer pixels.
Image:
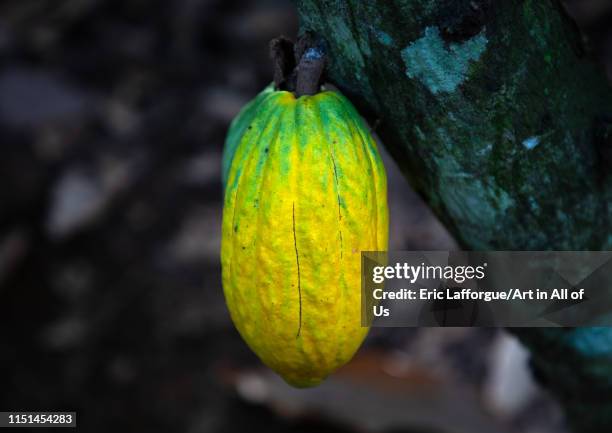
[{"x": 305, "y": 193}]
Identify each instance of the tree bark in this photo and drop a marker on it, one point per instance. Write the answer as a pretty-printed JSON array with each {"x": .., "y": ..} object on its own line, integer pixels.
[{"x": 499, "y": 120}]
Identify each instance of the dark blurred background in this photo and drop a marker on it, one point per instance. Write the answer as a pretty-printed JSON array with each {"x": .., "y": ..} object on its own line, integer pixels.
[{"x": 112, "y": 121}]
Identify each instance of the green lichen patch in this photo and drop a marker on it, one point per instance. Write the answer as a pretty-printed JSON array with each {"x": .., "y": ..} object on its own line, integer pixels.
[{"x": 439, "y": 67}]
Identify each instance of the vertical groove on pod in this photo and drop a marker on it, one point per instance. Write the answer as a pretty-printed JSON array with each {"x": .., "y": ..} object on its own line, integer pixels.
[
  {"x": 331, "y": 153},
  {"x": 337, "y": 184},
  {"x": 297, "y": 261}
]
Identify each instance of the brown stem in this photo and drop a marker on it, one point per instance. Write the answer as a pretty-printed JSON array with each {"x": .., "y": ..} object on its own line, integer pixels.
[
  {"x": 309, "y": 56},
  {"x": 281, "y": 52},
  {"x": 309, "y": 72}
]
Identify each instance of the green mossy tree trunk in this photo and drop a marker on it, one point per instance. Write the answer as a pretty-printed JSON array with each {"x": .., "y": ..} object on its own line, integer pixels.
[{"x": 498, "y": 119}]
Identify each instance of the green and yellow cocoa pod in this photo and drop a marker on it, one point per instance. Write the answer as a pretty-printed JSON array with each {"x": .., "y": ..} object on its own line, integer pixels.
[{"x": 305, "y": 193}]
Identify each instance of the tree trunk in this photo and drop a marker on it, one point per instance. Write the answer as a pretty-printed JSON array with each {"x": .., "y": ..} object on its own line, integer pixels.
[{"x": 498, "y": 119}]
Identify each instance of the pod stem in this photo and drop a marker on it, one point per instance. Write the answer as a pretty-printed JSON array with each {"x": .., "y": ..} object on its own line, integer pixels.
[
  {"x": 309, "y": 72},
  {"x": 298, "y": 67}
]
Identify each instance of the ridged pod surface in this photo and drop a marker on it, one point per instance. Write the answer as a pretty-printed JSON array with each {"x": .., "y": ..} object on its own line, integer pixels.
[
  {"x": 306, "y": 192},
  {"x": 237, "y": 129}
]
